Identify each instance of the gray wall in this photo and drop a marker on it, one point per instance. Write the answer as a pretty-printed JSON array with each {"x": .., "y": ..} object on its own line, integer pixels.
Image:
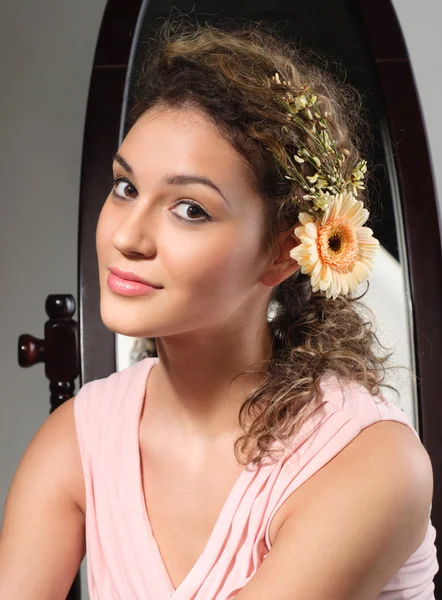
[{"x": 47, "y": 49}]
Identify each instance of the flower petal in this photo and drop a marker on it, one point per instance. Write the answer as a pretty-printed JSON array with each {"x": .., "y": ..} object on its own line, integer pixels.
[
  {"x": 307, "y": 268},
  {"x": 299, "y": 231},
  {"x": 361, "y": 271},
  {"x": 311, "y": 230},
  {"x": 325, "y": 279},
  {"x": 304, "y": 218},
  {"x": 316, "y": 273},
  {"x": 352, "y": 282}
]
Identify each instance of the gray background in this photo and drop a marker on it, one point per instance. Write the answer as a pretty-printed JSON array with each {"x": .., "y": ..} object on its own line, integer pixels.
[{"x": 47, "y": 49}]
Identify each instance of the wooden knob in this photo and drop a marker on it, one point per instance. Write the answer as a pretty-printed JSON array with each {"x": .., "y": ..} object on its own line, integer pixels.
[{"x": 30, "y": 350}]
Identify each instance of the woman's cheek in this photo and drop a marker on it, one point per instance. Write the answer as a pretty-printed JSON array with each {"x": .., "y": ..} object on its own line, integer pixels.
[{"x": 106, "y": 226}]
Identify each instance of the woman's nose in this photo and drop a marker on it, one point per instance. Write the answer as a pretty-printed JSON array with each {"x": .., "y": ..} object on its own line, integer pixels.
[{"x": 135, "y": 232}]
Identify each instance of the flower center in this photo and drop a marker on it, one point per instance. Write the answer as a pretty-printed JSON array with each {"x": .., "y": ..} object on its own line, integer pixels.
[
  {"x": 334, "y": 243},
  {"x": 338, "y": 245}
]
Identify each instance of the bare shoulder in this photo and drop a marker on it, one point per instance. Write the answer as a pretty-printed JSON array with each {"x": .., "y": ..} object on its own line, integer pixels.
[
  {"x": 55, "y": 453},
  {"x": 60, "y": 427},
  {"x": 387, "y": 458},
  {"x": 385, "y": 445},
  {"x": 55, "y": 444},
  {"x": 385, "y": 449},
  {"x": 42, "y": 538},
  {"x": 352, "y": 525}
]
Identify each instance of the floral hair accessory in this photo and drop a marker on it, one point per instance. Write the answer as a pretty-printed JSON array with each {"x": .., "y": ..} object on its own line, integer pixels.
[{"x": 335, "y": 250}]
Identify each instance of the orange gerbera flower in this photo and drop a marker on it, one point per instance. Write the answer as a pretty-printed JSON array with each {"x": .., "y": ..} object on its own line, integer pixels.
[{"x": 336, "y": 251}]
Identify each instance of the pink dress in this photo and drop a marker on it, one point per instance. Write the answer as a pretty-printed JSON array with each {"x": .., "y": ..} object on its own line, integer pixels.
[{"x": 123, "y": 558}]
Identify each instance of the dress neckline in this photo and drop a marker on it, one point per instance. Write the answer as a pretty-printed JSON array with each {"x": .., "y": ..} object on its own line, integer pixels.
[{"x": 213, "y": 546}]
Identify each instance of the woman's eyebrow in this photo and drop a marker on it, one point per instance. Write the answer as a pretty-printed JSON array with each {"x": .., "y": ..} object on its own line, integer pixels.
[
  {"x": 178, "y": 179},
  {"x": 184, "y": 178},
  {"x": 120, "y": 160}
]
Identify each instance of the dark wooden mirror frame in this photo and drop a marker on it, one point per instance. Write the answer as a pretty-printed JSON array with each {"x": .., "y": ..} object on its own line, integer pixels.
[{"x": 411, "y": 170}]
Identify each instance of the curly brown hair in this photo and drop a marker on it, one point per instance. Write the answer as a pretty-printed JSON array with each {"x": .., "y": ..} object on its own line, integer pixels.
[{"x": 224, "y": 71}]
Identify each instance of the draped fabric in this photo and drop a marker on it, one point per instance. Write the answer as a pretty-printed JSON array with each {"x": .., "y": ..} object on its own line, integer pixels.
[{"x": 123, "y": 558}]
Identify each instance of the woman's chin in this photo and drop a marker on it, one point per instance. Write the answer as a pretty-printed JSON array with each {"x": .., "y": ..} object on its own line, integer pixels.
[{"x": 122, "y": 323}]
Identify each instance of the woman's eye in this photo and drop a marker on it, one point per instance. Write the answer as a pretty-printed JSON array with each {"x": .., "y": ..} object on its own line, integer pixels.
[
  {"x": 190, "y": 209},
  {"x": 123, "y": 188}
]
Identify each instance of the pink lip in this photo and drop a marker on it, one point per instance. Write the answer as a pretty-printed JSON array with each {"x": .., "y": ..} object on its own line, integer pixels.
[
  {"x": 131, "y": 276},
  {"x": 128, "y": 283}
]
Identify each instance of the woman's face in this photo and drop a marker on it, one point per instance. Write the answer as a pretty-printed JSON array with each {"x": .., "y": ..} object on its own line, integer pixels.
[{"x": 204, "y": 247}]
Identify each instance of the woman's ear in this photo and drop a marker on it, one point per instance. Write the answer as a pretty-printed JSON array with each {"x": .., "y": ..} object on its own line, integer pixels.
[{"x": 284, "y": 265}]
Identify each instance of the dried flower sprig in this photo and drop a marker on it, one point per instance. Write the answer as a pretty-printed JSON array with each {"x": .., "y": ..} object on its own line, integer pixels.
[
  {"x": 329, "y": 177},
  {"x": 335, "y": 249}
]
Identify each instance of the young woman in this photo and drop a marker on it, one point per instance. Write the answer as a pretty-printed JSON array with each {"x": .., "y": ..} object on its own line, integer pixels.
[{"x": 254, "y": 455}]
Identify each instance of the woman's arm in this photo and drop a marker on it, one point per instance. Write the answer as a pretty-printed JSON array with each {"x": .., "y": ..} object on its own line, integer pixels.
[
  {"x": 353, "y": 524},
  {"x": 42, "y": 537}
]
